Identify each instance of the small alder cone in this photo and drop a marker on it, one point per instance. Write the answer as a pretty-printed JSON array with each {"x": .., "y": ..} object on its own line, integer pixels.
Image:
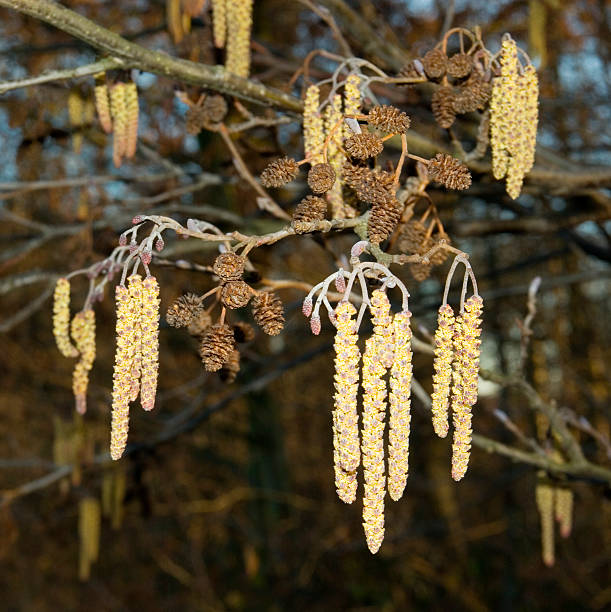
[
  {"x": 563, "y": 510},
  {"x": 230, "y": 369},
  {"x": 400, "y": 402},
  {"x": 383, "y": 219},
  {"x": 353, "y": 174},
  {"x": 184, "y": 310},
  {"x": 200, "y": 324},
  {"x": 409, "y": 71},
  {"x": 149, "y": 325},
  {"x": 442, "y": 105},
  {"x": 448, "y": 171},
  {"x": 544, "y": 494},
  {"x": 229, "y": 266},
  {"x": 268, "y": 312},
  {"x": 83, "y": 334},
  {"x": 389, "y": 119},
  {"x": 420, "y": 271},
  {"x": 279, "y": 172},
  {"x": 363, "y": 146},
  {"x": 311, "y": 208},
  {"x": 195, "y": 119},
  {"x": 61, "y": 318},
  {"x": 216, "y": 347},
  {"x": 346, "y": 451},
  {"x": 102, "y": 106},
  {"x": 435, "y": 63},
  {"x": 243, "y": 332},
  {"x": 467, "y": 331},
  {"x": 442, "y": 365},
  {"x": 460, "y": 65},
  {"x": 235, "y": 294},
  {"x": 321, "y": 178},
  {"x": 413, "y": 236},
  {"x": 214, "y": 108},
  {"x": 473, "y": 95},
  {"x": 375, "y": 187}
]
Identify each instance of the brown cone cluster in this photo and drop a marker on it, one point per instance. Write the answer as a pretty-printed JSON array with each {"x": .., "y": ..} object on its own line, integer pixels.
[
  {"x": 363, "y": 146},
  {"x": 243, "y": 332},
  {"x": 372, "y": 186},
  {"x": 200, "y": 324},
  {"x": 383, "y": 219},
  {"x": 321, "y": 177},
  {"x": 216, "y": 347},
  {"x": 184, "y": 310},
  {"x": 389, "y": 119},
  {"x": 448, "y": 171},
  {"x": 460, "y": 65},
  {"x": 279, "y": 172},
  {"x": 229, "y": 266},
  {"x": 231, "y": 367},
  {"x": 235, "y": 294},
  {"x": 268, "y": 312},
  {"x": 195, "y": 120},
  {"x": 311, "y": 208},
  {"x": 472, "y": 95},
  {"x": 214, "y": 108},
  {"x": 435, "y": 63},
  {"x": 442, "y": 105},
  {"x": 409, "y": 71}
]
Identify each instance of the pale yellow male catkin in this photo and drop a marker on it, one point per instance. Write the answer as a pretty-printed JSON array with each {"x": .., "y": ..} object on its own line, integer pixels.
[
  {"x": 219, "y": 22},
  {"x": 563, "y": 510},
  {"x": 76, "y": 108},
  {"x": 131, "y": 110},
  {"x": 352, "y": 106},
  {"x": 400, "y": 404},
  {"x": 83, "y": 334},
  {"x": 61, "y": 318},
  {"x": 239, "y": 24},
  {"x": 136, "y": 299},
  {"x": 332, "y": 116},
  {"x": 442, "y": 365},
  {"x": 544, "y": 494},
  {"x": 118, "y": 111},
  {"x": 102, "y": 106},
  {"x": 313, "y": 126},
  {"x": 89, "y": 534},
  {"x": 346, "y": 451},
  {"x": 149, "y": 326}
]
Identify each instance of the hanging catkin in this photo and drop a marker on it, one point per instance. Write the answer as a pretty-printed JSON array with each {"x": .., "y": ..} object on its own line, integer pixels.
[
  {"x": 61, "y": 318},
  {"x": 149, "y": 325},
  {"x": 83, "y": 334},
  {"x": 335, "y": 157},
  {"x": 313, "y": 126},
  {"x": 219, "y": 22},
  {"x": 544, "y": 494},
  {"x": 118, "y": 111},
  {"x": 346, "y": 452},
  {"x": 399, "y": 403},
  {"x": 442, "y": 376},
  {"x": 89, "y": 534},
  {"x": 102, "y": 103},
  {"x": 131, "y": 110},
  {"x": 239, "y": 23}
]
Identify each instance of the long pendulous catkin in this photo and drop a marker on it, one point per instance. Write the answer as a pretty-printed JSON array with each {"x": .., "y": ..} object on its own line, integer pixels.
[
  {"x": 544, "y": 494},
  {"x": 61, "y": 318},
  {"x": 352, "y": 106},
  {"x": 442, "y": 365},
  {"x": 399, "y": 403},
  {"x": 102, "y": 106},
  {"x": 131, "y": 110},
  {"x": 239, "y": 23},
  {"x": 83, "y": 334},
  {"x": 335, "y": 157},
  {"x": 219, "y": 22},
  {"x": 149, "y": 325},
  {"x": 346, "y": 451},
  {"x": 89, "y": 534},
  {"x": 118, "y": 111},
  {"x": 467, "y": 331},
  {"x": 378, "y": 352},
  {"x": 313, "y": 126},
  {"x": 563, "y": 510},
  {"x": 136, "y": 291}
]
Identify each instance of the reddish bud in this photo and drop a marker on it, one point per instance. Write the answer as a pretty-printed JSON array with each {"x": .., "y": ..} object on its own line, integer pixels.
[
  {"x": 146, "y": 257},
  {"x": 315, "y": 325},
  {"x": 340, "y": 282},
  {"x": 122, "y": 240},
  {"x": 159, "y": 244},
  {"x": 137, "y": 219},
  {"x": 306, "y": 308}
]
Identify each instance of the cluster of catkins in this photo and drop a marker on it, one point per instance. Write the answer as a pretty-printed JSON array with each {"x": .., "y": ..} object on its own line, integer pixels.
[
  {"x": 513, "y": 119},
  {"x": 388, "y": 349},
  {"x": 117, "y": 107},
  {"x": 137, "y": 354},
  {"x": 232, "y": 23},
  {"x": 82, "y": 331},
  {"x": 218, "y": 341}
]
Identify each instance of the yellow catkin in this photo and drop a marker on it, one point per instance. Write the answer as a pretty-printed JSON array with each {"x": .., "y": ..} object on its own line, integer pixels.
[
  {"x": 89, "y": 534},
  {"x": 174, "y": 17},
  {"x": 378, "y": 353},
  {"x": 149, "y": 325},
  {"x": 333, "y": 114},
  {"x": 564, "y": 510},
  {"x": 131, "y": 109},
  {"x": 352, "y": 106},
  {"x": 122, "y": 374},
  {"x": 118, "y": 111},
  {"x": 83, "y": 334},
  {"x": 442, "y": 376},
  {"x": 61, "y": 318},
  {"x": 76, "y": 107},
  {"x": 466, "y": 367},
  {"x": 544, "y": 494},
  {"x": 102, "y": 105},
  {"x": 136, "y": 299},
  {"x": 400, "y": 402},
  {"x": 346, "y": 451},
  {"x": 219, "y": 22},
  {"x": 239, "y": 23},
  {"x": 313, "y": 126}
]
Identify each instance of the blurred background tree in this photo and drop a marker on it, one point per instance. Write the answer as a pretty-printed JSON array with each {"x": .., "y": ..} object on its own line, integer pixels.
[{"x": 225, "y": 499}]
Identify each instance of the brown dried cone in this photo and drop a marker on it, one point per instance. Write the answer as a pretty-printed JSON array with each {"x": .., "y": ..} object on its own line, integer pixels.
[
  {"x": 472, "y": 95},
  {"x": 375, "y": 187},
  {"x": 420, "y": 271},
  {"x": 383, "y": 219},
  {"x": 195, "y": 119},
  {"x": 363, "y": 146},
  {"x": 184, "y": 310},
  {"x": 243, "y": 332},
  {"x": 279, "y": 172},
  {"x": 216, "y": 347},
  {"x": 389, "y": 119},
  {"x": 230, "y": 369},
  {"x": 214, "y": 108},
  {"x": 200, "y": 324},
  {"x": 435, "y": 63},
  {"x": 235, "y": 294},
  {"x": 460, "y": 65},
  {"x": 412, "y": 237},
  {"x": 229, "y": 266},
  {"x": 268, "y": 312},
  {"x": 321, "y": 178},
  {"x": 448, "y": 171},
  {"x": 311, "y": 208},
  {"x": 353, "y": 173},
  {"x": 442, "y": 105},
  {"x": 409, "y": 71}
]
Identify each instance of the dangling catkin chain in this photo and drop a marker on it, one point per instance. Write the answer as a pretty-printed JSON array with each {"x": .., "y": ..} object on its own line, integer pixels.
[
  {"x": 131, "y": 109},
  {"x": 346, "y": 452},
  {"x": 399, "y": 401},
  {"x": 149, "y": 325},
  {"x": 442, "y": 376},
  {"x": 83, "y": 334},
  {"x": 313, "y": 126},
  {"x": 118, "y": 111},
  {"x": 335, "y": 157},
  {"x": 378, "y": 349},
  {"x": 466, "y": 366},
  {"x": 239, "y": 23},
  {"x": 61, "y": 318}
]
